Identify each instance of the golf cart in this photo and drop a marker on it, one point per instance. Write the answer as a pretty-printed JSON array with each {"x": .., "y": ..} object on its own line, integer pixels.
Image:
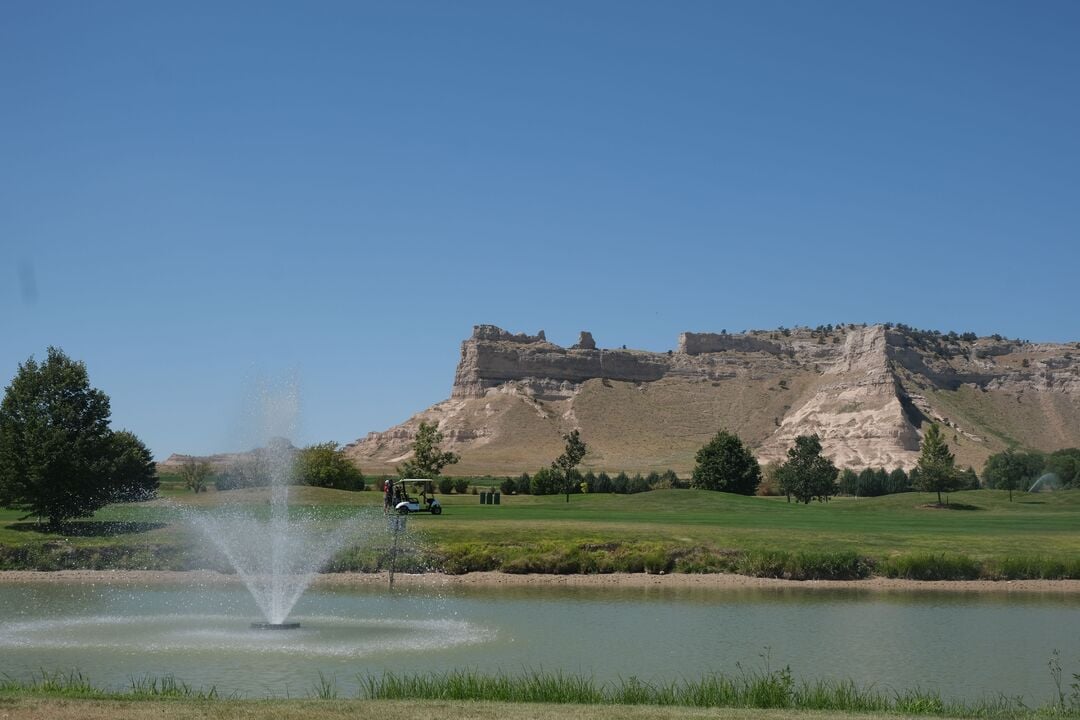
[{"x": 416, "y": 496}]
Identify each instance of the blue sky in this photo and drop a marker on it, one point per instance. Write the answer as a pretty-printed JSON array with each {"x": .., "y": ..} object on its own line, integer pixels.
[{"x": 195, "y": 195}]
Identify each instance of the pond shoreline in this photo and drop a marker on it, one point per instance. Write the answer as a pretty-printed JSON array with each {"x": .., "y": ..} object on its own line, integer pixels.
[{"x": 717, "y": 581}]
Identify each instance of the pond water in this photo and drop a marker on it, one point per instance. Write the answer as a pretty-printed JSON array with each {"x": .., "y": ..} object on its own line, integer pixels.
[{"x": 964, "y": 645}]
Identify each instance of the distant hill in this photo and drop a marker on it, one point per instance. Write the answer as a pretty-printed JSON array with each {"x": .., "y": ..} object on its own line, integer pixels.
[
  {"x": 867, "y": 391},
  {"x": 276, "y": 447}
]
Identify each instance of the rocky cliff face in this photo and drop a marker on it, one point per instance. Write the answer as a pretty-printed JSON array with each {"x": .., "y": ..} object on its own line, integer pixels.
[
  {"x": 866, "y": 391},
  {"x": 492, "y": 357}
]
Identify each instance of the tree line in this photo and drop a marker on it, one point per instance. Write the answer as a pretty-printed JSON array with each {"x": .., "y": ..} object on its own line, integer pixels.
[{"x": 60, "y": 459}]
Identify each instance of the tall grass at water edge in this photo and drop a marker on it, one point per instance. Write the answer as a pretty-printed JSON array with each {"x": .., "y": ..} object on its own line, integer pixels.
[
  {"x": 569, "y": 558},
  {"x": 566, "y": 558},
  {"x": 76, "y": 685},
  {"x": 765, "y": 688},
  {"x": 762, "y": 689}
]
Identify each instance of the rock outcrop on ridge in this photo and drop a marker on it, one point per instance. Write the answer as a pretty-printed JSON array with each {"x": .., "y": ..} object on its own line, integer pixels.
[{"x": 866, "y": 391}]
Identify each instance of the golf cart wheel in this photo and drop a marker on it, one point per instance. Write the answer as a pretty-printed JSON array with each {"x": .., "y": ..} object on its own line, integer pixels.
[
  {"x": 436, "y": 510},
  {"x": 403, "y": 511}
]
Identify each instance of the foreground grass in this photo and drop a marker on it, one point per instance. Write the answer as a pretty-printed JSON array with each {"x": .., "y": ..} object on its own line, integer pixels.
[
  {"x": 981, "y": 535},
  {"x": 38, "y": 708},
  {"x": 537, "y": 694}
]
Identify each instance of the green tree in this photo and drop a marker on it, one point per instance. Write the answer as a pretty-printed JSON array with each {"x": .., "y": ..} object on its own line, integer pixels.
[
  {"x": 937, "y": 466},
  {"x": 326, "y": 465},
  {"x": 898, "y": 481},
  {"x": 58, "y": 457},
  {"x": 1065, "y": 464},
  {"x": 428, "y": 458},
  {"x": 524, "y": 484},
  {"x": 849, "y": 482},
  {"x": 545, "y": 481},
  {"x": 968, "y": 479},
  {"x": 620, "y": 483},
  {"x": 194, "y": 474},
  {"x": 134, "y": 472},
  {"x": 1011, "y": 470},
  {"x": 807, "y": 474},
  {"x": 571, "y": 457},
  {"x": 727, "y": 465}
]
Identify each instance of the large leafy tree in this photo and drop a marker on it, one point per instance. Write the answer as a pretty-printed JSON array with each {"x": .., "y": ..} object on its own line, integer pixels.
[
  {"x": 134, "y": 474},
  {"x": 807, "y": 474},
  {"x": 428, "y": 458},
  {"x": 727, "y": 465},
  {"x": 1011, "y": 470},
  {"x": 325, "y": 465},
  {"x": 1065, "y": 464},
  {"x": 937, "y": 465},
  {"x": 58, "y": 457},
  {"x": 571, "y": 457}
]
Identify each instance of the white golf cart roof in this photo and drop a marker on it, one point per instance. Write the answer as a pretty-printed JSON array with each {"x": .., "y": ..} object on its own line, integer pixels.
[{"x": 416, "y": 480}]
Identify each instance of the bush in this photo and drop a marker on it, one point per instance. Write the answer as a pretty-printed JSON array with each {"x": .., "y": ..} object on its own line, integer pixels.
[
  {"x": 461, "y": 485},
  {"x": 446, "y": 485},
  {"x": 637, "y": 484},
  {"x": 931, "y": 567},
  {"x": 325, "y": 465},
  {"x": 508, "y": 486},
  {"x": 243, "y": 474},
  {"x": 546, "y": 482}
]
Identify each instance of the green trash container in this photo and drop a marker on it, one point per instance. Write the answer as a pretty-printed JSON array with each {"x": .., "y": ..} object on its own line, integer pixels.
[
  {"x": 483, "y": 498},
  {"x": 495, "y": 497}
]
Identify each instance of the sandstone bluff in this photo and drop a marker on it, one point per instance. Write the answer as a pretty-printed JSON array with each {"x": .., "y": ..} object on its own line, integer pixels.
[{"x": 868, "y": 391}]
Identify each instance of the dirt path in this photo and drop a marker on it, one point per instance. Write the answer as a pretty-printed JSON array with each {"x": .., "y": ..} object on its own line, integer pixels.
[{"x": 495, "y": 580}]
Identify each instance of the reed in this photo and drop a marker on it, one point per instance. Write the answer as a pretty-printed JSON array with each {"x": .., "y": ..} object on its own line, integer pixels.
[{"x": 762, "y": 688}]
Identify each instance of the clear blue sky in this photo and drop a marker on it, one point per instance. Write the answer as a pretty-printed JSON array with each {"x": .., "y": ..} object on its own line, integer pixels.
[{"x": 196, "y": 193}]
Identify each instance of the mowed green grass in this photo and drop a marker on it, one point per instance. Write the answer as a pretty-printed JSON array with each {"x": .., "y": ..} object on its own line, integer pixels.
[{"x": 983, "y": 525}]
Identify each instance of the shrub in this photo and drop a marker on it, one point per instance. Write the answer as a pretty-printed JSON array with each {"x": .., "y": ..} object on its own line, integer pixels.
[
  {"x": 325, "y": 465},
  {"x": 508, "y": 486},
  {"x": 545, "y": 482},
  {"x": 931, "y": 567},
  {"x": 461, "y": 485},
  {"x": 446, "y": 485}
]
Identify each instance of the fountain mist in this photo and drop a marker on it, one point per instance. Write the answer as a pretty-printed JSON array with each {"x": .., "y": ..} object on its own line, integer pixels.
[{"x": 275, "y": 550}]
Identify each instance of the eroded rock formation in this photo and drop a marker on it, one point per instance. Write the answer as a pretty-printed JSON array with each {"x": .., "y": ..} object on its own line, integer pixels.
[{"x": 866, "y": 391}]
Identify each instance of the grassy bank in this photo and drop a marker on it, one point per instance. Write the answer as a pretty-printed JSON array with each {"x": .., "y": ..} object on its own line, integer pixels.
[
  {"x": 981, "y": 535},
  {"x": 757, "y": 690}
]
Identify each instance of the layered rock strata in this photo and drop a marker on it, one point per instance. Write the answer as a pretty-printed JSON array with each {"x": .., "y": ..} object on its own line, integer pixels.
[{"x": 866, "y": 391}]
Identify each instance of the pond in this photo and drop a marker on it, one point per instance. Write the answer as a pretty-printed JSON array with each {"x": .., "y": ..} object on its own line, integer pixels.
[{"x": 966, "y": 645}]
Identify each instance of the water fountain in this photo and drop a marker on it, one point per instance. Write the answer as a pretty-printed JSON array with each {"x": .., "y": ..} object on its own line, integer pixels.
[{"x": 276, "y": 555}]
